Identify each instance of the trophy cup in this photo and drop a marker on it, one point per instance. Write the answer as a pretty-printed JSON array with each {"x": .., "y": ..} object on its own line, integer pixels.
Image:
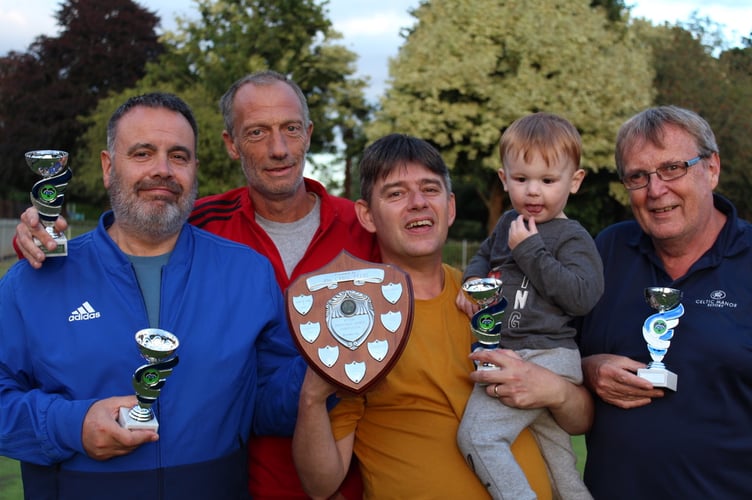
[
  {"x": 156, "y": 346},
  {"x": 486, "y": 323},
  {"x": 657, "y": 332},
  {"x": 48, "y": 193}
]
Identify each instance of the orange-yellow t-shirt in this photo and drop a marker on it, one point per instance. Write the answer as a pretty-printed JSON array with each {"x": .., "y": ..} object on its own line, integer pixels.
[{"x": 406, "y": 425}]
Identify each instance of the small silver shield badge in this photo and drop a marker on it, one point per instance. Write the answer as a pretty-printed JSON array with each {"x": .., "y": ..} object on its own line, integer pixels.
[{"x": 302, "y": 303}]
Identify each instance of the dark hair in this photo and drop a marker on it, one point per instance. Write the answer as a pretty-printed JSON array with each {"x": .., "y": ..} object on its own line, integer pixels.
[
  {"x": 151, "y": 100},
  {"x": 650, "y": 126},
  {"x": 259, "y": 78},
  {"x": 394, "y": 151}
]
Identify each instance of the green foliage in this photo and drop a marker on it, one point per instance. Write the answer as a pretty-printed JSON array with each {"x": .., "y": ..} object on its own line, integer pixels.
[
  {"x": 234, "y": 37},
  {"x": 601, "y": 201},
  {"x": 101, "y": 47},
  {"x": 718, "y": 88},
  {"x": 615, "y": 9},
  {"x": 468, "y": 69},
  {"x": 231, "y": 38},
  {"x": 217, "y": 172}
]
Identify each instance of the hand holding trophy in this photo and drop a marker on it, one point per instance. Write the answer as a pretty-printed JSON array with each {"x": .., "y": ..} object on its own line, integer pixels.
[
  {"x": 657, "y": 331},
  {"x": 47, "y": 194},
  {"x": 155, "y": 346},
  {"x": 486, "y": 323}
]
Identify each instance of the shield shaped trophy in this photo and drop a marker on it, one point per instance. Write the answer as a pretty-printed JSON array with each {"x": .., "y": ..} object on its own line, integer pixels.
[{"x": 351, "y": 319}]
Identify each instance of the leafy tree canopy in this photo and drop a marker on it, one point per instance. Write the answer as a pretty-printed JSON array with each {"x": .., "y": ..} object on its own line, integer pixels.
[
  {"x": 468, "y": 69},
  {"x": 230, "y": 38},
  {"x": 102, "y": 47},
  {"x": 718, "y": 88}
]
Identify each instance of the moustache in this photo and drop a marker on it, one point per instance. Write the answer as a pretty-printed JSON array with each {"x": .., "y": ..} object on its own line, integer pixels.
[{"x": 171, "y": 186}]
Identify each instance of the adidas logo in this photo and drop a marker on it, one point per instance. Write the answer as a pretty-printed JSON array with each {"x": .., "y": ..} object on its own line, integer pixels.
[{"x": 84, "y": 312}]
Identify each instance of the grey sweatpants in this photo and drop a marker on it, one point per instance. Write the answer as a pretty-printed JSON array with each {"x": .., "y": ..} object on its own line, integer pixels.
[{"x": 489, "y": 428}]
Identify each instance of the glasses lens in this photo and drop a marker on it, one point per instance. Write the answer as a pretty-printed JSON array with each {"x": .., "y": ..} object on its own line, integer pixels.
[
  {"x": 636, "y": 181},
  {"x": 671, "y": 172}
]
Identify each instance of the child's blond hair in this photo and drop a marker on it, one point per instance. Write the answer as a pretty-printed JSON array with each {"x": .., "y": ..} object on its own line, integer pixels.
[{"x": 546, "y": 133}]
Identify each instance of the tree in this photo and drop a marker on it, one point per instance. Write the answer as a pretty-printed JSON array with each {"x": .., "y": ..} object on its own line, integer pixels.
[
  {"x": 213, "y": 174},
  {"x": 234, "y": 37},
  {"x": 688, "y": 74},
  {"x": 468, "y": 69},
  {"x": 102, "y": 47}
]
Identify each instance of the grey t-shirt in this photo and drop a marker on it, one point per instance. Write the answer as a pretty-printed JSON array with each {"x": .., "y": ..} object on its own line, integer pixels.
[
  {"x": 149, "y": 277},
  {"x": 292, "y": 238}
]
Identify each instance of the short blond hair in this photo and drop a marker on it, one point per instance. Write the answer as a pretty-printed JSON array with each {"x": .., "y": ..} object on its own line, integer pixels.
[{"x": 548, "y": 134}]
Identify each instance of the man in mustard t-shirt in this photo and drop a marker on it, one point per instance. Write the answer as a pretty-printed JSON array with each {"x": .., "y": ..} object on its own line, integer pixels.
[{"x": 403, "y": 430}]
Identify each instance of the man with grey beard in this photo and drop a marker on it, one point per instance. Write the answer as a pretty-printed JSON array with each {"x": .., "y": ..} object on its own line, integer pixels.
[{"x": 69, "y": 353}]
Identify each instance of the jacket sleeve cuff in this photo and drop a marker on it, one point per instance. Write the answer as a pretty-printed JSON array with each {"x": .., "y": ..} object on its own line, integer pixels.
[{"x": 65, "y": 421}]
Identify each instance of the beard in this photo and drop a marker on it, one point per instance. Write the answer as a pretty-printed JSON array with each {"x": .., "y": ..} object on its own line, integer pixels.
[{"x": 157, "y": 218}]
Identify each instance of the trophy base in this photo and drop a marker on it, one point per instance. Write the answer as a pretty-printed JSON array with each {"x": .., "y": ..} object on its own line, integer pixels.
[
  {"x": 659, "y": 377},
  {"x": 485, "y": 365},
  {"x": 128, "y": 422},
  {"x": 60, "y": 251}
]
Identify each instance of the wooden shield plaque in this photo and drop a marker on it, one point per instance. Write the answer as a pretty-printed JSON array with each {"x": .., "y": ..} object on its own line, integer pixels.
[{"x": 351, "y": 319}]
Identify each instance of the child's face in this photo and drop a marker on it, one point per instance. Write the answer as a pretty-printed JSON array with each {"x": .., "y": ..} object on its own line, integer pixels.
[{"x": 538, "y": 190}]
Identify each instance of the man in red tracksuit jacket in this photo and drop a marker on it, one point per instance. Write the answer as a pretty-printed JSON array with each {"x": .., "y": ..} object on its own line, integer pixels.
[
  {"x": 272, "y": 473},
  {"x": 268, "y": 129}
]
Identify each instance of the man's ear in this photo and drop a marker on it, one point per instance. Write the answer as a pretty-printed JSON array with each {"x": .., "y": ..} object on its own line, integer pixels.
[
  {"x": 230, "y": 145},
  {"x": 106, "y": 161},
  {"x": 452, "y": 209},
  {"x": 364, "y": 215},
  {"x": 714, "y": 167}
]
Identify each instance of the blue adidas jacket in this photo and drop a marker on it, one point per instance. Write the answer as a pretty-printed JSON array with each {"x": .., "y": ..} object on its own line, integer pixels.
[{"x": 67, "y": 340}]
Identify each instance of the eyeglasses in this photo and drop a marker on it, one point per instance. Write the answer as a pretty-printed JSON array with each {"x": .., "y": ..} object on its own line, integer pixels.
[{"x": 670, "y": 172}]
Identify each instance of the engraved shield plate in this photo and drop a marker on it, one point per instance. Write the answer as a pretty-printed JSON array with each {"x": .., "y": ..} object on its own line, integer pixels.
[{"x": 351, "y": 319}]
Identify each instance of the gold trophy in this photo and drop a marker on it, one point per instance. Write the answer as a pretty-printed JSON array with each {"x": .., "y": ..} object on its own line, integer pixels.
[{"x": 47, "y": 195}]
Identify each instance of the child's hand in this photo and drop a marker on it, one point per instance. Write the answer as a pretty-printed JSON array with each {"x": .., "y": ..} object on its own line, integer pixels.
[
  {"x": 518, "y": 231},
  {"x": 466, "y": 305}
]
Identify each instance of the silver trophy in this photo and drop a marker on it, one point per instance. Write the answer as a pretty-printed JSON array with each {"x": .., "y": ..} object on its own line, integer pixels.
[
  {"x": 657, "y": 331},
  {"x": 47, "y": 194},
  {"x": 486, "y": 323},
  {"x": 156, "y": 346}
]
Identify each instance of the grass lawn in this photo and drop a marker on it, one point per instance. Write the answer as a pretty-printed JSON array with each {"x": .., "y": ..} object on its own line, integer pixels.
[
  {"x": 578, "y": 443},
  {"x": 10, "y": 480},
  {"x": 5, "y": 264}
]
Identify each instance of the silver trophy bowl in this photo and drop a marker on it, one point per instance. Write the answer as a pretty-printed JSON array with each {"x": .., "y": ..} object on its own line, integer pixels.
[
  {"x": 47, "y": 195},
  {"x": 155, "y": 344},
  {"x": 483, "y": 291},
  {"x": 157, "y": 348},
  {"x": 662, "y": 299},
  {"x": 658, "y": 331},
  {"x": 46, "y": 162}
]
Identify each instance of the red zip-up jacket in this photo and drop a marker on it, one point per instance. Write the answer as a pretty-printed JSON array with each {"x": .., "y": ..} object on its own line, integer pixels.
[{"x": 231, "y": 215}]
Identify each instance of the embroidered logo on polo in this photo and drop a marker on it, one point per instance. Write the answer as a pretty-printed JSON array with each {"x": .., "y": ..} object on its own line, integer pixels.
[
  {"x": 716, "y": 300},
  {"x": 84, "y": 312}
]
